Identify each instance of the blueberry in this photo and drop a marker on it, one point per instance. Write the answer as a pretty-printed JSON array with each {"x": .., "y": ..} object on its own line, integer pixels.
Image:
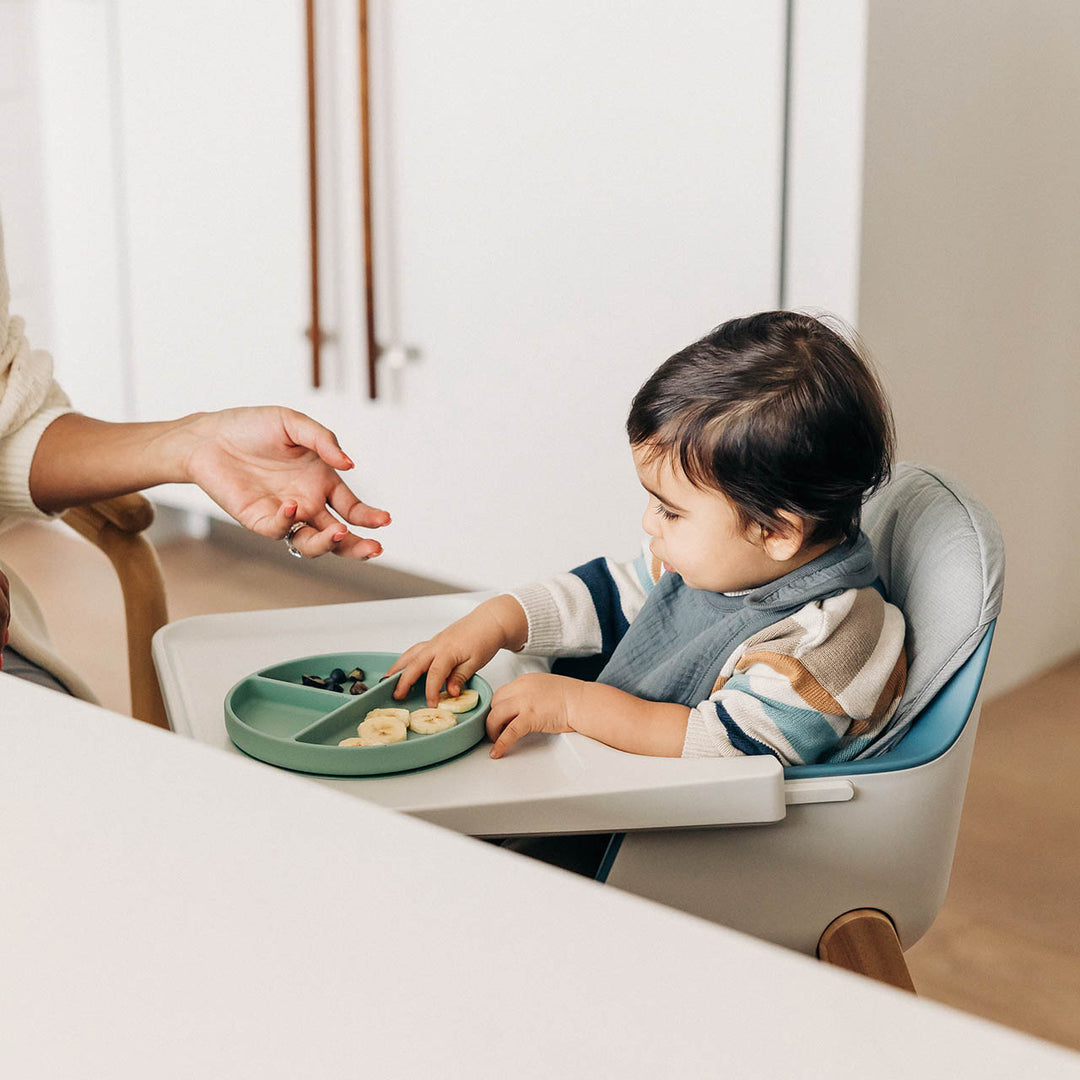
[
  {"x": 337, "y": 675},
  {"x": 335, "y": 686}
]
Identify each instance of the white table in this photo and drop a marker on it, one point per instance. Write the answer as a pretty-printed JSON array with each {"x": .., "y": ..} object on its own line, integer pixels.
[
  {"x": 545, "y": 784},
  {"x": 168, "y": 910}
]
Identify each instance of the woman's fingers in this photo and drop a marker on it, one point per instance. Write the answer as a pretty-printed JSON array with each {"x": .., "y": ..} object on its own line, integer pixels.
[
  {"x": 336, "y": 536},
  {"x": 357, "y": 547},
  {"x": 312, "y": 542},
  {"x": 332, "y": 536},
  {"x": 304, "y": 431},
  {"x": 353, "y": 510}
]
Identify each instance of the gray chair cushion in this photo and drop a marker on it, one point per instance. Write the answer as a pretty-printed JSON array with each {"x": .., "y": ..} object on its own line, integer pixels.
[{"x": 942, "y": 561}]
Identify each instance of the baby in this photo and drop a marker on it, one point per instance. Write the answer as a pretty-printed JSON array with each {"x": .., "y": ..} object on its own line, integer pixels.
[{"x": 751, "y": 623}]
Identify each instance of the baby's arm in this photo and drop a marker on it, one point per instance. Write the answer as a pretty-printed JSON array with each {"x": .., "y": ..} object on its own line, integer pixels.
[
  {"x": 554, "y": 703},
  {"x": 455, "y": 654},
  {"x": 807, "y": 689},
  {"x": 572, "y": 614},
  {"x": 586, "y": 611}
]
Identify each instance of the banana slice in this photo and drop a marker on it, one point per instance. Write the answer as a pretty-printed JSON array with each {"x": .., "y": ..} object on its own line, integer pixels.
[
  {"x": 351, "y": 742},
  {"x": 378, "y": 730},
  {"x": 396, "y": 714},
  {"x": 429, "y": 721},
  {"x": 464, "y": 702}
]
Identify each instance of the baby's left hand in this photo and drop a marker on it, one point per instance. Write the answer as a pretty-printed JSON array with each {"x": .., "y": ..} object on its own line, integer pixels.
[{"x": 534, "y": 702}]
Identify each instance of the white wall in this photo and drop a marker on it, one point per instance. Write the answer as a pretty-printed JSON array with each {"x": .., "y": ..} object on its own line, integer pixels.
[
  {"x": 22, "y": 203},
  {"x": 82, "y": 203},
  {"x": 970, "y": 279}
]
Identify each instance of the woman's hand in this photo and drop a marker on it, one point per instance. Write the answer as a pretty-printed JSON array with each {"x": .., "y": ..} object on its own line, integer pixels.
[
  {"x": 533, "y": 702},
  {"x": 455, "y": 654},
  {"x": 267, "y": 466},
  {"x": 270, "y": 467}
]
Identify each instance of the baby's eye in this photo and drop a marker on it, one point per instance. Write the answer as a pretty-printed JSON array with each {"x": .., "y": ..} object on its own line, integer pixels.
[{"x": 665, "y": 513}]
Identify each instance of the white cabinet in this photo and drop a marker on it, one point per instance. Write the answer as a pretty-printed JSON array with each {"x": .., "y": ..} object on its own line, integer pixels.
[
  {"x": 564, "y": 194},
  {"x": 573, "y": 192},
  {"x": 211, "y": 103}
]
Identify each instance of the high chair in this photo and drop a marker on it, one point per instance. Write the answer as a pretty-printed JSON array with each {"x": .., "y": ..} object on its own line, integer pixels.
[{"x": 848, "y": 861}]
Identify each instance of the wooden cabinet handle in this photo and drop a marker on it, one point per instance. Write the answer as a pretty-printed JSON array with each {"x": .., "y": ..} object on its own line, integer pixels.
[
  {"x": 365, "y": 195},
  {"x": 315, "y": 331}
]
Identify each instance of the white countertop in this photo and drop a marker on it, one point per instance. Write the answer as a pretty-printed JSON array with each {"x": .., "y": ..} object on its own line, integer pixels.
[{"x": 169, "y": 910}]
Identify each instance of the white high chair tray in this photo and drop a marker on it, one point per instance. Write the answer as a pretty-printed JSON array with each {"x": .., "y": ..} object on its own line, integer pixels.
[{"x": 545, "y": 784}]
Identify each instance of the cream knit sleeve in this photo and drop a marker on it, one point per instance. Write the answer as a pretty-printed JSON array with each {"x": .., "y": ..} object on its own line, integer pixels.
[{"x": 30, "y": 400}]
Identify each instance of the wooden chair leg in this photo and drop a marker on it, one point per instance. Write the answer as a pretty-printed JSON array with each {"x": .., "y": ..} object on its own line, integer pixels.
[
  {"x": 865, "y": 941},
  {"x": 115, "y": 526}
]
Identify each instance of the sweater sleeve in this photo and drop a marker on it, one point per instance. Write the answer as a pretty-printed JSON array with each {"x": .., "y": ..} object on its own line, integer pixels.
[
  {"x": 820, "y": 685},
  {"x": 586, "y": 611},
  {"x": 30, "y": 401}
]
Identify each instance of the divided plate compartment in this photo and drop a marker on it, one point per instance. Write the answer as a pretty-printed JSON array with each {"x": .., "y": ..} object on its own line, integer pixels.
[{"x": 273, "y": 717}]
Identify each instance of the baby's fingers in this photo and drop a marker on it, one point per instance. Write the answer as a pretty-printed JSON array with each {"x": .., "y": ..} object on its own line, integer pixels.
[
  {"x": 459, "y": 677},
  {"x": 505, "y": 724},
  {"x": 510, "y": 733},
  {"x": 412, "y": 664},
  {"x": 438, "y": 672}
]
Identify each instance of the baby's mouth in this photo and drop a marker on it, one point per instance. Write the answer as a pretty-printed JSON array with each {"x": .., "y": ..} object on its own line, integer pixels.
[{"x": 666, "y": 565}]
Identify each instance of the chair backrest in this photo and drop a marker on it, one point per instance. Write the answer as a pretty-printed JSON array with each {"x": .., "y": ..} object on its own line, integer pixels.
[{"x": 941, "y": 559}]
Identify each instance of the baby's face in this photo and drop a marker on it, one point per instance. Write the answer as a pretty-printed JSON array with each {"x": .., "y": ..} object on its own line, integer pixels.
[{"x": 697, "y": 533}]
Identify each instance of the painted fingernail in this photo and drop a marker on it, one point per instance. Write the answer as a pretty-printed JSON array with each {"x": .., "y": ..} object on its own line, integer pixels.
[
  {"x": 339, "y": 536},
  {"x": 290, "y": 509}
]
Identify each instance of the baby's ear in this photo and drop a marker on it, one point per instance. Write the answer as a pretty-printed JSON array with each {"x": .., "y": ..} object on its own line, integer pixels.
[{"x": 782, "y": 544}]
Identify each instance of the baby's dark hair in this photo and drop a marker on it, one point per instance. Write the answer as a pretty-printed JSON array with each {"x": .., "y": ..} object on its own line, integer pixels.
[{"x": 777, "y": 412}]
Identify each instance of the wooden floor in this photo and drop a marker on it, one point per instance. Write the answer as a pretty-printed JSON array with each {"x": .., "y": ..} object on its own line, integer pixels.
[{"x": 1006, "y": 945}]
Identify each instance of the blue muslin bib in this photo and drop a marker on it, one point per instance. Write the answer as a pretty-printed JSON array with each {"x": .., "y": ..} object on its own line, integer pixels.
[{"x": 674, "y": 650}]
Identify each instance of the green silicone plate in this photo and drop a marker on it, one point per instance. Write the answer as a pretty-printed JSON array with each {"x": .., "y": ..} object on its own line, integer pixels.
[{"x": 274, "y": 718}]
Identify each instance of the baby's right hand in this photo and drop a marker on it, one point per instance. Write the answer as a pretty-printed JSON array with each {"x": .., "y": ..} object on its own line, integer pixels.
[{"x": 455, "y": 654}]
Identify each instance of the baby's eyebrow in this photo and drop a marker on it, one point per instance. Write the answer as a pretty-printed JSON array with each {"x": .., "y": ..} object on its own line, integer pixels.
[{"x": 667, "y": 502}]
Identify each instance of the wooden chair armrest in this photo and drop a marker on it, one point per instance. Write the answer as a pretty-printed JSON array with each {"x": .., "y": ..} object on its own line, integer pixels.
[
  {"x": 128, "y": 513},
  {"x": 115, "y": 526}
]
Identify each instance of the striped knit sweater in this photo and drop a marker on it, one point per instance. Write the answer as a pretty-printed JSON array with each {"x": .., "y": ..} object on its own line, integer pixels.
[{"x": 821, "y": 684}]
